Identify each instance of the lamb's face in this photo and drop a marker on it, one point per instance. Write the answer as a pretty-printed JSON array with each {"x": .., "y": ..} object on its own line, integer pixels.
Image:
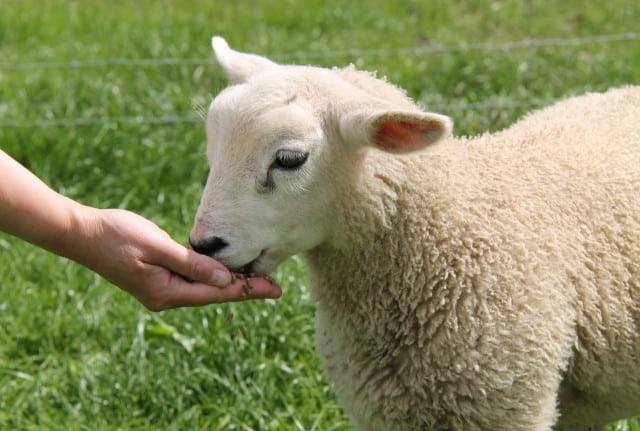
[
  {"x": 262, "y": 201},
  {"x": 276, "y": 155}
]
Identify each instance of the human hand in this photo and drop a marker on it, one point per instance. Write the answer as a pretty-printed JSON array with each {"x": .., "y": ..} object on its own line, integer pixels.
[
  {"x": 125, "y": 248},
  {"x": 142, "y": 259}
]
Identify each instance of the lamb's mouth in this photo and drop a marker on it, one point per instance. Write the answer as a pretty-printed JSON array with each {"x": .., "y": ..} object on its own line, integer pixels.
[{"x": 250, "y": 269}]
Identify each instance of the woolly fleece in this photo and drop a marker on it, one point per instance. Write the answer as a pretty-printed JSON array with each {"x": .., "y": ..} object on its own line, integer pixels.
[
  {"x": 490, "y": 283},
  {"x": 493, "y": 283}
]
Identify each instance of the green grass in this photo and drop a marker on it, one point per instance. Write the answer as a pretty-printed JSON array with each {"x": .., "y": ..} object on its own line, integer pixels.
[{"x": 77, "y": 353}]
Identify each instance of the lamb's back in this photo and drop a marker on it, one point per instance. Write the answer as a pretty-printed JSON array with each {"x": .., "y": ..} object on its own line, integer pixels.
[{"x": 561, "y": 190}]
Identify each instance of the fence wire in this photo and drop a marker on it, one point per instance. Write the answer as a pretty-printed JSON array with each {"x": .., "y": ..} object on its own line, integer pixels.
[
  {"x": 70, "y": 64},
  {"x": 351, "y": 52}
]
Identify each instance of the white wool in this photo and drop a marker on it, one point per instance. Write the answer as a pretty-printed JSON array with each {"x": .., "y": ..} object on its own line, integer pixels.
[{"x": 492, "y": 283}]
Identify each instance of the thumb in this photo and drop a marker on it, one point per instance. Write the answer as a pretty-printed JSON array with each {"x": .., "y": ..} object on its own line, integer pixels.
[{"x": 194, "y": 266}]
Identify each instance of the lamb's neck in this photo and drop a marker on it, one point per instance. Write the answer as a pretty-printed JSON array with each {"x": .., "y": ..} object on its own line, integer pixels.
[{"x": 351, "y": 268}]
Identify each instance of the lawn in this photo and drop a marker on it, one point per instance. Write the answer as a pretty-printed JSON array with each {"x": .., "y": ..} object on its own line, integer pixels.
[{"x": 101, "y": 99}]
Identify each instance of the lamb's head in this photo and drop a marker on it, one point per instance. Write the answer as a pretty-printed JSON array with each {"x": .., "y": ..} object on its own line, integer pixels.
[{"x": 282, "y": 142}]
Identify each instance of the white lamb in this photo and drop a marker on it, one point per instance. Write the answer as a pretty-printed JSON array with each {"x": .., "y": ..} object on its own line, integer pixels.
[{"x": 491, "y": 283}]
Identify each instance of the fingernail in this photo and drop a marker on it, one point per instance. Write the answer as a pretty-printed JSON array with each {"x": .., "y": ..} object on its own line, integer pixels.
[
  {"x": 276, "y": 293},
  {"x": 220, "y": 278}
]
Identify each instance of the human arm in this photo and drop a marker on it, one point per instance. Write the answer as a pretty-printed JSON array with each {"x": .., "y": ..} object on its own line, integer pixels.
[{"x": 125, "y": 248}]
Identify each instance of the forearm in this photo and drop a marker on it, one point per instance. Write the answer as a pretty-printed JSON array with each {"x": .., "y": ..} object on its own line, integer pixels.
[{"x": 31, "y": 210}]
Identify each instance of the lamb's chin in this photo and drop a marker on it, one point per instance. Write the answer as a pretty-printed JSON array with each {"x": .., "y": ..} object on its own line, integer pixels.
[{"x": 261, "y": 266}]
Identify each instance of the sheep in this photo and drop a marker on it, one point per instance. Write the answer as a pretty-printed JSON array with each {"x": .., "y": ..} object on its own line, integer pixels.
[{"x": 482, "y": 283}]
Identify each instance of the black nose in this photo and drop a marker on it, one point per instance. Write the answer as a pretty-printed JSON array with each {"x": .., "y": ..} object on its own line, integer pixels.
[{"x": 209, "y": 246}]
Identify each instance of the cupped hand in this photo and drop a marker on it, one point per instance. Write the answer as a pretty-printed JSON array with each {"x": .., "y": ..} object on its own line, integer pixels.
[{"x": 142, "y": 259}]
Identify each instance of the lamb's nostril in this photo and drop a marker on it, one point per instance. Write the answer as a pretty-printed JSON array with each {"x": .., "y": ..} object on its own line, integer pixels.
[{"x": 209, "y": 246}]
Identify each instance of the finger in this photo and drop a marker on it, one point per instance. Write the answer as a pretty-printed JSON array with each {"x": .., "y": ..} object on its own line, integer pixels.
[
  {"x": 254, "y": 288},
  {"x": 192, "y": 265},
  {"x": 182, "y": 293}
]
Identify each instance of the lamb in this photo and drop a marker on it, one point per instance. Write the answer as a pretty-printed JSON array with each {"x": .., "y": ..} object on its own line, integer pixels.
[{"x": 486, "y": 283}]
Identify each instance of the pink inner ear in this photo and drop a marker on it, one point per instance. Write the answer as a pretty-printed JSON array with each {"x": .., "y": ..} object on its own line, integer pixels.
[{"x": 404, "y": 136}]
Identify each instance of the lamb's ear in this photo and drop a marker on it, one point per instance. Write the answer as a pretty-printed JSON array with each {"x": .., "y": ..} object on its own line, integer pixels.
[
  {"x": 238, "y": 66},
  {"x": 394, "y": 131}
]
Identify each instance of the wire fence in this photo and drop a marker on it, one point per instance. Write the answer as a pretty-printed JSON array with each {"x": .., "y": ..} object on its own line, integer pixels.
[
  {"x": 627, "y": 36},
  {"x": 351, "y": 52}
]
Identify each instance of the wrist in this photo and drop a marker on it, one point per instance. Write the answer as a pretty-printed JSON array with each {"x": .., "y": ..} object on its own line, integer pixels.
[{"x": 78, "y": 232}]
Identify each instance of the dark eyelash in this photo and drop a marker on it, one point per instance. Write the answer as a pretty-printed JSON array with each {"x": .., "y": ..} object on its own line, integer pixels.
[{"x": 290, "y": 160}]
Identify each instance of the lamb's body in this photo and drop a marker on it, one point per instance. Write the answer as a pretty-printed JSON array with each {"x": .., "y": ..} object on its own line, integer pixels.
[
  {"x": 489, "y": 284},
  {"x": 477, "y": 279}
]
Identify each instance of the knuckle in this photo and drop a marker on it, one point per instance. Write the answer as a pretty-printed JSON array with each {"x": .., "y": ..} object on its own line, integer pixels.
[{"x": 198, "y": 271}]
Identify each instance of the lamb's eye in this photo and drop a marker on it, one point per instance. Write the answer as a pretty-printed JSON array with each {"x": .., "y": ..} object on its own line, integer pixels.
[{"x": 290, "y": 160}]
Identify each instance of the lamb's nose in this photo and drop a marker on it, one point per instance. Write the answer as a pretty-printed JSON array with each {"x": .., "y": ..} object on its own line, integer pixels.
[{"x": 209, "y": 246}]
